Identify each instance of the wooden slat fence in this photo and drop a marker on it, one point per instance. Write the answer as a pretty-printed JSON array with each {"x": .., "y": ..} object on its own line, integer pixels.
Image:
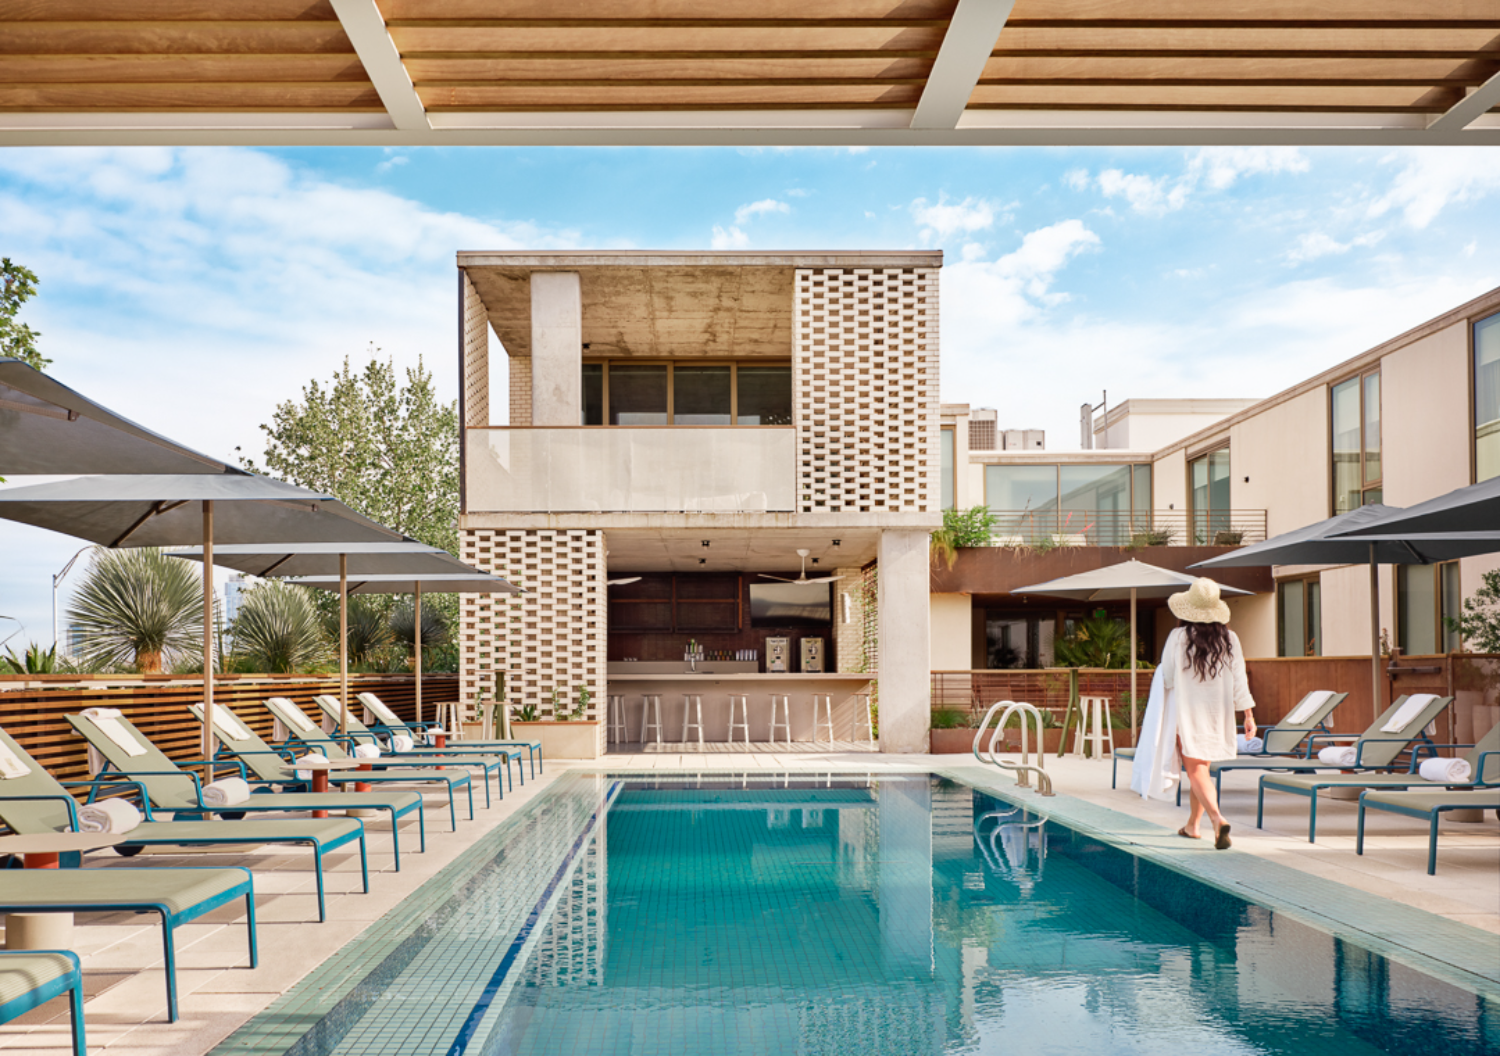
[{"x": 159, "y": 708}]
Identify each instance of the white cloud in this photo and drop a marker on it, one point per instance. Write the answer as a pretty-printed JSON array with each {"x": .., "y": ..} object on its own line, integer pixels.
[
  {"x": 1012, "y": 289},
  {"x": 1153, "y": 196},
  {"x": 392, "y": 160},
  {"x": 1077, "y": 179},
  {"x": 1216, "y": 168},
  {"x": 1317, "y": 244},
  {"x": 942, "y": 218},
  {"x": 751, "y": 210},
  {"x": 733, "y": 238},
  {"x": 1220, "y": 167},
  {"x": 798, "y": 192},
  {"x": 1430, "y": 180},
  {"x": 973, "y": 251}
]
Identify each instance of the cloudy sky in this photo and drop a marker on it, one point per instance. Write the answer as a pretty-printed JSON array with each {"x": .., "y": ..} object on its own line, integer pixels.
[{"x": 192, "y": 290}]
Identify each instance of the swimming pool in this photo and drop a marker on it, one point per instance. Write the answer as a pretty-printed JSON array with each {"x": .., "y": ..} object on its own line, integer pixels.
[{"x": 894, "y": 914}]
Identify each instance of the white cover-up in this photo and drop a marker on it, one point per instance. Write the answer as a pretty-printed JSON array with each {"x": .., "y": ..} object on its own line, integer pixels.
[
  {"x": 226, "y": 792},
  {"x": 1398, "y": 722},
  {"x": 108, "y": 815},
  {"x": 1309, "y": 707},
  {"x": 1446, "y": 771},
  {"x": 1156, "y": 769},
  {"x": 1339, "y": 755},
  {"x": 107, "y": 720},
  {"x": 11, "y": 764},
  {"x": 1205, "y": 708}
]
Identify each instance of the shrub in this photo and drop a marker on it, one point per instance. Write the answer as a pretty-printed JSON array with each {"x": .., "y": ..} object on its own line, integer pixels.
[{"x": 277, "y": 629}]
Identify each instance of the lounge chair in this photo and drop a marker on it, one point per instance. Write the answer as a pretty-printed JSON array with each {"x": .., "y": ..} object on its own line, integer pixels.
[
  {"x": 1310, "y": 785},
  {"x": 311, "y": 736},
  {"x": 1428, "y": 805},
  {"x": 166, "y": 786},
  {"x": 460, "y": 755},
  {"x": 390, "y": 723},
  {"x": 36, "y": 802},
  {"x": 31, "y": 978},
  {"x": 178, "y": 895}
]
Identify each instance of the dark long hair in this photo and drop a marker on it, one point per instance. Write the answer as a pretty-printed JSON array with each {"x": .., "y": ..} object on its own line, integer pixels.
[{"x": 1208, "y": 648}]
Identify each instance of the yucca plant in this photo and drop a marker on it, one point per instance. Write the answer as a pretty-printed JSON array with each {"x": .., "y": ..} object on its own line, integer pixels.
[
  {"x": 403, "y": 624},
  {"x": 369, "y": 633},
  {"x": 277, "y": 629},
  {"x": 138, "y": 607}
]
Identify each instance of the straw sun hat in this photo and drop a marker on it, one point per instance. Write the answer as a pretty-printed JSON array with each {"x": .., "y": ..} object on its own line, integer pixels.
[{"x": 1200, "y": 603}]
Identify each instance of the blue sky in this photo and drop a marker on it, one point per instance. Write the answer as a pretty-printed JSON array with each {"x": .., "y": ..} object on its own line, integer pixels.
[{"x": 194, "y": 289}]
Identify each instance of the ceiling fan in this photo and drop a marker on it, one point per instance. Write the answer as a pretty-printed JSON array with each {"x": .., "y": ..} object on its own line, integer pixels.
[
  {"x": 623, "y": 580},
  {"x": 801, "y": 580}
]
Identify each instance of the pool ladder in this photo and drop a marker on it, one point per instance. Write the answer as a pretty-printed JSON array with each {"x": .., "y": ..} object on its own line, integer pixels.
[{"x": 1024, "y": 768}]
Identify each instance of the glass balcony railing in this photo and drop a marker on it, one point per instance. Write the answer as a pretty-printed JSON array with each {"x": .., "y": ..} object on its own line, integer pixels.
[
  {"x": 1049, "y": 526},
  {"x": 631, "y": 469}
]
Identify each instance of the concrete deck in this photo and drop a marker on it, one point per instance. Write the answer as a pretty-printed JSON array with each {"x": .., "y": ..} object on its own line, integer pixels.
[{"x": 126, "y": 1004}]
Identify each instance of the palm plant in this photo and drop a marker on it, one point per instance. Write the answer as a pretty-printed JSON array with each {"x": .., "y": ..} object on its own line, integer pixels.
[
  {"x": 138, "y": 607},
  {"x": 403, "y": 623},
  {"x": 1097, "y": 641},
  {"x": 277, "y": 628},
  {"x": 369, "y": 631}
]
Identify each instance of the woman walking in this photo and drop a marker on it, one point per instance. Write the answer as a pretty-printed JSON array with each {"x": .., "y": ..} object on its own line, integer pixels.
[{"x": 1197, "y": 690}]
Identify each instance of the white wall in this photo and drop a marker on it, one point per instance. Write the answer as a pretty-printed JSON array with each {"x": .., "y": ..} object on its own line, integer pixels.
[
  {"x": 1253, "y": 621},
  {"x": 903, "y": 608},
  {"x": 952, "y": 632},
  {"x": 1424, "y": 405},
  {"x": 1169, "y": 482}
]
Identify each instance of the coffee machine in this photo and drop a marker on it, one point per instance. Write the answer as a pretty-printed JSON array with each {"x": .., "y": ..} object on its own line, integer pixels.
[
  {"x": 812, "y": 656},
  {"x": 778, "y": 655}
]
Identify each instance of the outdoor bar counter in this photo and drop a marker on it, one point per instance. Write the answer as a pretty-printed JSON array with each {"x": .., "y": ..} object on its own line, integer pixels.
[{"x": 716, "y": 681}]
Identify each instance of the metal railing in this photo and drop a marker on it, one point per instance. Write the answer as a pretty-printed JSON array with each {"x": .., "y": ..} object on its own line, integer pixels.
[{"x": 1047, "y": 529}]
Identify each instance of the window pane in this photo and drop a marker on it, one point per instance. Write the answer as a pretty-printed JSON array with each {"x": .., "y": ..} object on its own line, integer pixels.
[
  {"x": 765, "y": 396},
  {"x": 1372, "y": 428},
  {"x": 1417, "y": 609},
  {"x": 1218, "y": 492},
  {"x": 1290, "y": 599},
  {"x": 1096, "y": 503},
  {"x": 700, "y": 395},
  {"x": 1452, "y": 606},
  {"x": 593, "y": 394},
  {"x": 1487, "y": 397},
  {"x": 1142, "y": 498},
  {"x": 946, "y": 447},
  {"x": 1314, "y": 618},
  {"x": 637, "y": 394},
  {"x": 1346, "y": 427},
  {"x": 1024, "y": 499}
]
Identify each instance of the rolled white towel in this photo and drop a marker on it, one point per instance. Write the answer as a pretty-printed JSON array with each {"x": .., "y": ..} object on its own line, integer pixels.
[
  {"x": 108, "y": 815},
  {"x": 1338, "y": 755},
  {"x": 1446, "y": 771},
  {"x": 1248, "y": 745},
  {"x": 366, "y": 751},
  {"x": 226, "y": 792},
  {"x": 311, "y": 757},
  {"x": 401, "y": 743}
]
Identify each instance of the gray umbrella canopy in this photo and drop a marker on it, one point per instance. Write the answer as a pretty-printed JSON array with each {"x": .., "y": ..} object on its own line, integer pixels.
[
  {"x": 46, "y": 427},
  {"x": 402, "y": 556},
  {"x": 1475, "y": 509},
  {"x": 1125, "y": 580}
]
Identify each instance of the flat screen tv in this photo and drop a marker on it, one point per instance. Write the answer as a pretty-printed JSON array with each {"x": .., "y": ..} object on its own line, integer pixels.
[{"x": 791, "y": 604}]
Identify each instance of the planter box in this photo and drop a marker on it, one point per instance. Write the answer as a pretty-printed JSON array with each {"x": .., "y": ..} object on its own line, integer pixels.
[
  {"x": 560, "y": 740},
  {"x": 951, "y": 742}
]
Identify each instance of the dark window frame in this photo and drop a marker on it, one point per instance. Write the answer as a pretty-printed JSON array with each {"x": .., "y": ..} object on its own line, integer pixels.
[{"x": 671, "y": 365}]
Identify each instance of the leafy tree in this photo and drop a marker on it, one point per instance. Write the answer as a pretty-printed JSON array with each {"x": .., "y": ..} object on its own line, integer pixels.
[
  {"x": 17, "y": 286},
  {"x": 277, "y": 628},
  {"x": 1099, "y": 640},
  {"x": 962, "y": 528},
  {"x": 1480, "y": 622},
  {"x": 139, "y": 607}
]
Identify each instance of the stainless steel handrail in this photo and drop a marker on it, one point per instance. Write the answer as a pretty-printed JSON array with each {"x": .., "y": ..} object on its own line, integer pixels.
[{"x": 1024, "y": 768}]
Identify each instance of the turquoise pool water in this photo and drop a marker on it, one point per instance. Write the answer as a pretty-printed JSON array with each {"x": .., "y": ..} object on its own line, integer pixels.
[{"x": 898, "y": 915}]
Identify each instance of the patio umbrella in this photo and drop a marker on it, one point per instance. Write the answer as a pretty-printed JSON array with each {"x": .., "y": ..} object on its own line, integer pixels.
[
  {"x": 1330, "y": 543},
  {"x": 46, "y": 427},
  {"x": 174, "y": 510},
  {"x": 337, "y": 561},
  {"x": 473, "y": 582},
  {"x": 1474, "y": 509},
  {"x": 1128, "y": 579}
]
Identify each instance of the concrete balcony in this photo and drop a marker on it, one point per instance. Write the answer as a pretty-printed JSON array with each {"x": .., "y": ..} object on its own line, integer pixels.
[{"x": 630, "y": 469}]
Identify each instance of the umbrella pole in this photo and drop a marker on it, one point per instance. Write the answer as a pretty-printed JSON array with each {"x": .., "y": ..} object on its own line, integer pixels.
[
  {"x": 343, "y": 645},
  {"x": 208, "y": 640},
  {"x": 416, "y": 640},
  {"x": 1132, "y": 665},
  {"x": 1374, "y": 632}
]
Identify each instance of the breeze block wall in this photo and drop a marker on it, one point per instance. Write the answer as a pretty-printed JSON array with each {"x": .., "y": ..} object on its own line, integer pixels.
[
  {"x": 865, "y": 390},
  {"x": 475, "y": 326},
  {"x": 551, "y": 638}
]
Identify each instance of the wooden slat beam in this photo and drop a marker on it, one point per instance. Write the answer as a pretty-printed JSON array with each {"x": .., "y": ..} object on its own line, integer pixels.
[
  {"x": 363, "y": 23},
  {"x": 1462, "y": 114},
  {"x": 971, "y": 36}
]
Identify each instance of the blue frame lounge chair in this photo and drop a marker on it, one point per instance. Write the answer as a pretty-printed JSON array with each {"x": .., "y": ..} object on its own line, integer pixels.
[
  {"x": 1429, "y": 805},
  {"x": 311, "y": 736},
  {"x": 164, "y": 785},
  {"x": 31, "y": 978},
  {"x": 391, "y": 723},
  {"x": 177, "y": 895},
  {"x": 489, "y": 759},
  {"x": 36, "y": 802}
]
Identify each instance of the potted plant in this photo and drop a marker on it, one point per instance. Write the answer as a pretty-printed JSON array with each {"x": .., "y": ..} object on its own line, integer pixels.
[
  {"x": 951, "y": 731},
  {"x": 565, "y": 733}
]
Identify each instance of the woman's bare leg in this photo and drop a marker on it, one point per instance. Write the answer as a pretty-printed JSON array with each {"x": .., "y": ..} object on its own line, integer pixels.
[
  {"x": 1195, "y": 811},
  {"x": 1203, "y": 790}
]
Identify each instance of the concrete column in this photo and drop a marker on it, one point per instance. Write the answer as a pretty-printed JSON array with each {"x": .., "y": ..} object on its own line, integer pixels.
[
  {"x": 905, "y": 675},
  {"x": 556, "y": 348}
]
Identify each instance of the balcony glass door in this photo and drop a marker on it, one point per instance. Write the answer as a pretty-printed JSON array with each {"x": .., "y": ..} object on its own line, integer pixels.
[
  {"x": 1209, "y": 496},
  {"x": 638, "y": 394}
]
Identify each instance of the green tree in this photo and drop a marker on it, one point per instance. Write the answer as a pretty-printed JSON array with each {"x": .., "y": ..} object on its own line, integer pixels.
[
  {"x": 277, "y": 628},
  {"x": 17, "y": 286},
  {"x": 962, "y": 528},
  {"x": 139, "y": 607},
  {"x": 1480, "y": 621},
  {"x": 1099, "y": 640}
]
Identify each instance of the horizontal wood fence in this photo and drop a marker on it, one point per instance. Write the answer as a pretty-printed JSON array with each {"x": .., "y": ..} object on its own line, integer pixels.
[{"x": 34, "y": 715}]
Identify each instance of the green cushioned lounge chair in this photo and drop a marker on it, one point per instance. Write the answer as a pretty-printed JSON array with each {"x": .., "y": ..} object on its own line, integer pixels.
[
  {"x": 31, "y": 978},
  {"x": 178, "y": 895},
  {"x": 166, "y": 786},
  {"x": 311, "y": 736},
  {"x": 359, "y": 733},
  {"x": 37, "y": 802},
  {"x": 389, "y": 722},
  {"x": 1487, "y": 750},
  {"x": 1428, "y": 805}
]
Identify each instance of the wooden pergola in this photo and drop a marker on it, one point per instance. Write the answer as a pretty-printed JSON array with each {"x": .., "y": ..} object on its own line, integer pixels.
[{"x": 840, "y": 72}]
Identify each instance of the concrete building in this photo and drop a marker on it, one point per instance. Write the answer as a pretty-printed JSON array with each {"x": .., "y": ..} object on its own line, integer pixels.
[{"x": 688, "y": 424}]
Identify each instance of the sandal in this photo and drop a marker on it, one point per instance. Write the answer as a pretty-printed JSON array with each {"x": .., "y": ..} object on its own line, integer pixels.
[
  {"x": 1221, "y": 842},
  {"x": 1189, "y": 835}
]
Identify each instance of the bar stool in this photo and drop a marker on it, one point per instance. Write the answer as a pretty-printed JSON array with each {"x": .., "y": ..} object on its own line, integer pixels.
[
  {"x": 826, "y": 700},
  {"x": 786, "y": 711},
  {"x": 863, "y": 717},
  {"x": 649, "y": 702},
  {"x": 618, "y": 731},
  {"x": 1094, "y": 727},
  {"x": 688, "y": 701},
  {"x": 744, "y": 723}
]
